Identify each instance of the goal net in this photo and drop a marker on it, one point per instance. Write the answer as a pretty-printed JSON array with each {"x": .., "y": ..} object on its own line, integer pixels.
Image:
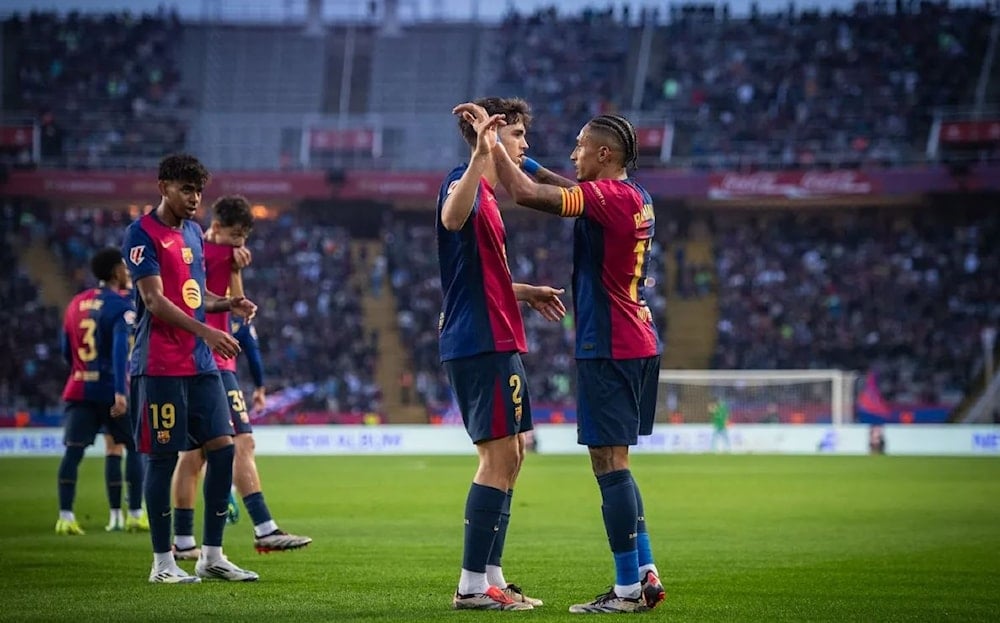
[{"x": 757, "y": 396}]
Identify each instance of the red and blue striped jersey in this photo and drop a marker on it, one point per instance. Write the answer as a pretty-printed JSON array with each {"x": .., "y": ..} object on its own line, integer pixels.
[
  {"x": 177, "y": 256},
  {"x": 95, "y": 341},
  {"x": 611, "y": 241},
  {"x": 480, "y": 313},
  {"x": 218, "y": 269}
]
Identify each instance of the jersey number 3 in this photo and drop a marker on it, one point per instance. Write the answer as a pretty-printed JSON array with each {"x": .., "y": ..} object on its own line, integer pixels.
[{"x": 87, "y": 351}]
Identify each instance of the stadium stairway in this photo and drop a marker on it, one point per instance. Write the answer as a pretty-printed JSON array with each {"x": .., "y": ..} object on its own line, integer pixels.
[
  {"x": 380, "y": 316},
  {"x": 44, "y": 268},
  {"x": 691, "y": 322}
]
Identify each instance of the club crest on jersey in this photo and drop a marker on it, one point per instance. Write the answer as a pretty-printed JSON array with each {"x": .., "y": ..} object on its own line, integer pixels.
[
  {"x": 136, "y": 254},
  {"x": 163, "y": 436},
  {"x": 187, "y": 255}
]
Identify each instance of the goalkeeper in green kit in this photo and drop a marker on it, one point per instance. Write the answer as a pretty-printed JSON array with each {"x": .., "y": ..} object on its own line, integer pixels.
[{"x": 719, "y": 411}]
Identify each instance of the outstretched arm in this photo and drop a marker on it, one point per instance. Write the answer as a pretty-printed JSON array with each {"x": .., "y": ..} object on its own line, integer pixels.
[
  {"x": 526, "y": 191},
  {"x": 545, "y": 176}
]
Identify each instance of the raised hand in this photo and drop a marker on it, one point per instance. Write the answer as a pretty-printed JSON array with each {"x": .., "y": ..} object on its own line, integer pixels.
[
  {"x": 242, "y": 257},
  {"x": 483, "y": 123}
]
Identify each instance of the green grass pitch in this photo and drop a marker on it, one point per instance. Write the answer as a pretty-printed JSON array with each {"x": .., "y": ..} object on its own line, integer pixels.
[{"x": 737, "y": 538}]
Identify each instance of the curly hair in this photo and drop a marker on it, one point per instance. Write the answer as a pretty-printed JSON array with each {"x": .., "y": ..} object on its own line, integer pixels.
[
  {"x": 513, "y": 109},
  {"x": 183, "y": 168}
]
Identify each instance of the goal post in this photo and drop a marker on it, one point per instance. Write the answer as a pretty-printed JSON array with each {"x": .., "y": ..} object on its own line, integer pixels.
[{"x": 758, "y": 396}]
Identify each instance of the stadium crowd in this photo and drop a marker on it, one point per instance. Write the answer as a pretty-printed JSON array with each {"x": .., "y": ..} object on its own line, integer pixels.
[
  {"x": 781, "y": 89},
  {"x": 309, "y": 320},
  {"x": 32, "y": 371},
  {"x": 104, "y": 87},
  {"x": 785, "y": 89},
  {"x": 902, "y": 294}
]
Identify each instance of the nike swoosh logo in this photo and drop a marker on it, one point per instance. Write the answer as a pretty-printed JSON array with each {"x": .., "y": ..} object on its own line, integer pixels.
[
  {"x": 166, "y": 514},
  {"x": 167, "y": 244},
  {"x": 222, "y": 514}
]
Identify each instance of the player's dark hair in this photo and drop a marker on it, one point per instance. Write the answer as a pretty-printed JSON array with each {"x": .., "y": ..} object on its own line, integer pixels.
[
  {"x": 622, "y": 131},
  {"x": 513, "y": 109},
  {"x": 104, "y": 262},
  {"x": 183, "y": 168},
  {"x": 233, "y": 210}
]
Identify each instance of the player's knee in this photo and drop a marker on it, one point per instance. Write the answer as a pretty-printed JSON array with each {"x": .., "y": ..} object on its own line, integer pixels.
[
  {"x": 245, "y": 444},
  {"x": 74, "y": 452},
  {"x": 218, "y": 443},
  {"x": 190, "y": 463},
  {"x": 606, "y": 459}
]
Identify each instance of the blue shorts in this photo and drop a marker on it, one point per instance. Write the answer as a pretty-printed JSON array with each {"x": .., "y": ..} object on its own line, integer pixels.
[
  {"x": 492, "y": 394},
  {"x": 238, "y": 413},
  {"x": 177, "y": 413},
  {"x": 616, "y": 400},
  {"x": 84, "y": 420}
]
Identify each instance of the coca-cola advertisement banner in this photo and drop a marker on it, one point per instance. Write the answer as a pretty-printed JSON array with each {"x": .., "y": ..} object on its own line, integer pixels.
[
  {"x": 970, "y": 132},
  {"x": 650, "y": 139},
  {"x": 789, "y": 185}
]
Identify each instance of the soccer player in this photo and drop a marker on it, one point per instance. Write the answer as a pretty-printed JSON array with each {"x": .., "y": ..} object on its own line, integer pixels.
[
  {"x": 95, "y": 341},
  {"x": 232, "y": 222},
  {"x": 482, "y": 338},
  {"x": 617, "y": 346},
  {"x": 719, "y": 411},
  {"x": 177, "y": 398}
]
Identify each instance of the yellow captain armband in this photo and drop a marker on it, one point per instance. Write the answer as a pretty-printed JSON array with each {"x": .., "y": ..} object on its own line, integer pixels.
[{"x": 572, "y": 201}]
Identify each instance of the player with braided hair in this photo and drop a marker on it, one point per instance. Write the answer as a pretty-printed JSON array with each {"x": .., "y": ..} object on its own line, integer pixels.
[{"x": 617, "y": 347}]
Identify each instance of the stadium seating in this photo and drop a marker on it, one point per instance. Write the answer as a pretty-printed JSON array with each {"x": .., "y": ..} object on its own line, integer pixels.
[
  {"x": 32, "y": 371},
  {"x": 901, "y": 293},
  {"x": 776, "y": 90},
  {"x": 106, "y": 84}
]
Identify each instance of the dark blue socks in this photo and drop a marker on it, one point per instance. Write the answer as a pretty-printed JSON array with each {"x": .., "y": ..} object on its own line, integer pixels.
[
  {"x": 68, "y": 469},
  {"x": 218, "y": 481},
  {"x": 483, "y": 507},
  {"x": 620, "y": 512},
  {"x": 113, "y": 479},
  {"x": 160, "y": 472}
]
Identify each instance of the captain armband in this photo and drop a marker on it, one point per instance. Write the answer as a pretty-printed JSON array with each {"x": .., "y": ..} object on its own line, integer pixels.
[{"x": 572, "y": 201}]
